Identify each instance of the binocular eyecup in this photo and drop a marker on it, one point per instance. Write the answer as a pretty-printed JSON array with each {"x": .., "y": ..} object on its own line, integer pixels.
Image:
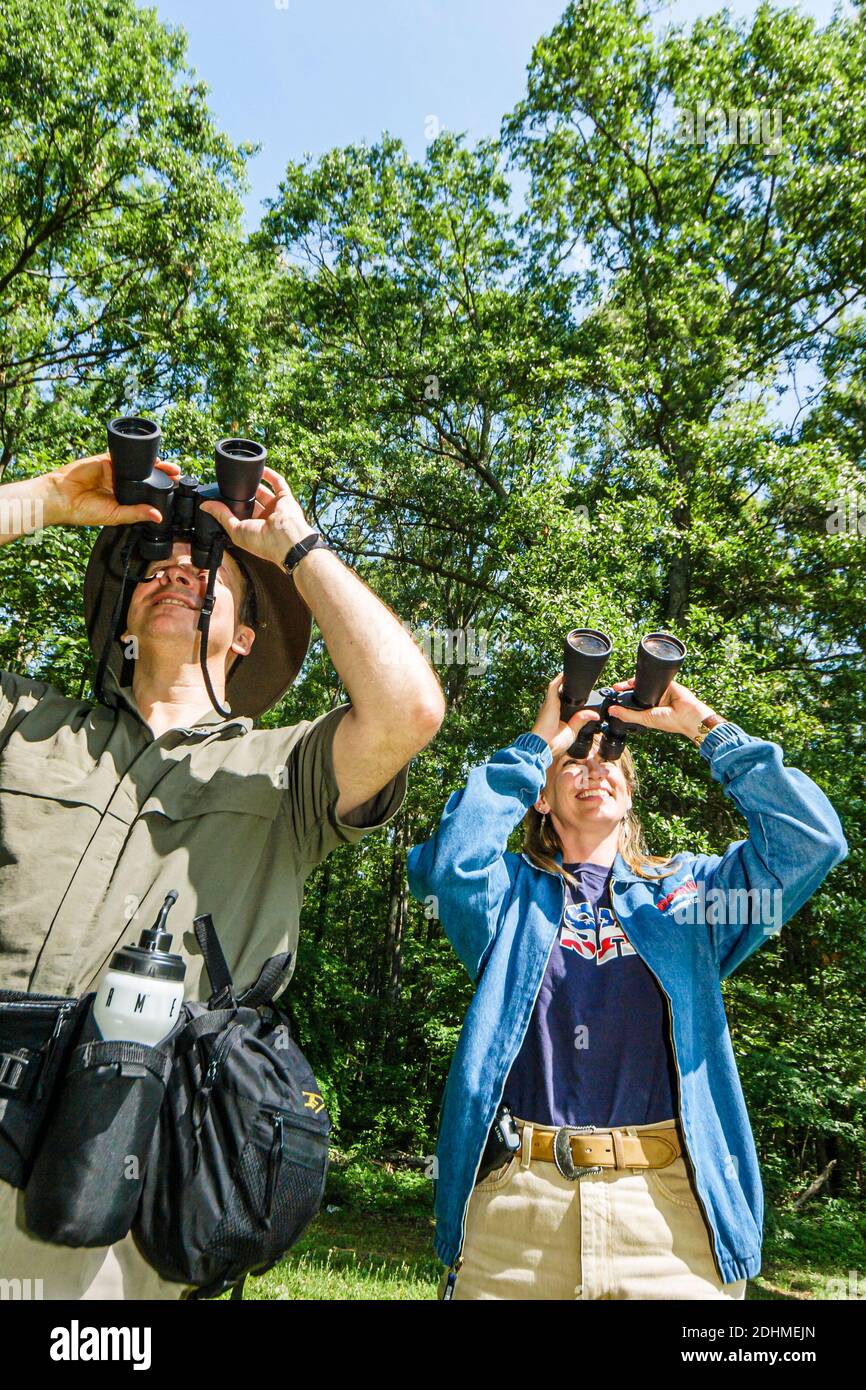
[
  {"x": 133, "y": 444},
  {"x": 587, "y": 651}
]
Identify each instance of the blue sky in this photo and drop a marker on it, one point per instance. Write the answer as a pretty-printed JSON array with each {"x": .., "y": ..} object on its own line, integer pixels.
[{"x": 304, "y": 77}]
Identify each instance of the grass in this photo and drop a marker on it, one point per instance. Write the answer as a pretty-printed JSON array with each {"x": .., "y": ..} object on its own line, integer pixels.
[
  {"x": 373, "y": 1240},
  {"x": 820, "y": 1254},
  {"x": 356, "y": 1256}
]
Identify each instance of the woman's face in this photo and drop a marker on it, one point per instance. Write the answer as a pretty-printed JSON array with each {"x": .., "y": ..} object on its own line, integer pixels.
[{"x": 581, "y": 792}]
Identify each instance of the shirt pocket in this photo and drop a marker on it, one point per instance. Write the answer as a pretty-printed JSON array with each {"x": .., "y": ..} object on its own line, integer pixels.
[
  {"x": 49, "y": 810},
  {"x": 227, "y": 793},
  {"x": 49, "y": 778}
]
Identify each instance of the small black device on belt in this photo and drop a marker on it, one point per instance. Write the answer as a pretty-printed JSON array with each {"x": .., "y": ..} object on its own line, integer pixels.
[{"x": 503, "y": 1141}]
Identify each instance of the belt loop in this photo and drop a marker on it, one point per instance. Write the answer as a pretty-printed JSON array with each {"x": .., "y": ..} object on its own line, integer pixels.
[
  {"x": 526, "y": 1145},
  {"x": 632, "y": 1130},
  {"x": 618, "y": 1150}
]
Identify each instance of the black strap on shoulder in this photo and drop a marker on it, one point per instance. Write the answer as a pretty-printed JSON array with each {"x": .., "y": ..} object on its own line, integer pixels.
[
  {"x": 222, "y": 993},
  {"x": 270, "y": 981}
]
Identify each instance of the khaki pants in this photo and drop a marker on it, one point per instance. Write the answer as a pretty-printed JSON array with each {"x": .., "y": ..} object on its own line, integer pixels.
[
  {"x": 61, "y": 1272},
  {"x": 622, "y": 1233}
]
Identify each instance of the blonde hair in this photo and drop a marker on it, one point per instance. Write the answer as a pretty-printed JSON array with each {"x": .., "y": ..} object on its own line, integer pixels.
[{"x": 541, "y": 842}]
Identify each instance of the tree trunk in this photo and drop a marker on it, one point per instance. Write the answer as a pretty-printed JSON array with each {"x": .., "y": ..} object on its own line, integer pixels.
[{"x": 396, "y": 921}]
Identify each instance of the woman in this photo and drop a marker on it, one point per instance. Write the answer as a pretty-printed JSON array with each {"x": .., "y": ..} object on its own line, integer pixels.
[{"x": 598, "y": 1015}]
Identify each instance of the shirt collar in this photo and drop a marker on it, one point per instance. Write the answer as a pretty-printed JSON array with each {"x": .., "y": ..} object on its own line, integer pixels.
[{"x": 117, "y": 696}]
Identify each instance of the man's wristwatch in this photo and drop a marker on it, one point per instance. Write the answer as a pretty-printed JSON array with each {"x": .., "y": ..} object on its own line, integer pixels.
[
  {"x": 297, "y": 552},
  {"x": 708, "y": 722}
]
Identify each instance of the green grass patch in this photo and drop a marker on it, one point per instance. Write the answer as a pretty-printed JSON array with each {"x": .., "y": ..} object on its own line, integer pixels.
[{"x": 373, "y": 1239}]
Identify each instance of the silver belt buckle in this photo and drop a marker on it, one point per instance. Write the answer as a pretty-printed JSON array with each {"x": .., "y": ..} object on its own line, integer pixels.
[{"x": 563, "y": 1157}]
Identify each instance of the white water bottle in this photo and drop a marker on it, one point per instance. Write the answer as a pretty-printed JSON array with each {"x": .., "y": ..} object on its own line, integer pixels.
[{"x": 140, "y": 995}]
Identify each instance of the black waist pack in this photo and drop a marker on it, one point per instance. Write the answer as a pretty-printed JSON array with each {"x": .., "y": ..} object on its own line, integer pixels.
[
  {"x": 239, "y": 1156},
  {"x": 37, "y": 1034}
]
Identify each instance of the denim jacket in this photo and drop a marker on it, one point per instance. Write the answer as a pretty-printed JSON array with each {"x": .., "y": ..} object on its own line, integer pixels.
[{"x": 690, "y": 926}]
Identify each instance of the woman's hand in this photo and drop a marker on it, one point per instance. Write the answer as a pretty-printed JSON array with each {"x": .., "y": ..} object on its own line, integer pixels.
[
  {"x": 82, "y": 494},
  {"x": 277, "y": 522},
  {"x": 680, "y": 712},
  {"x": 559, "y": 735}
]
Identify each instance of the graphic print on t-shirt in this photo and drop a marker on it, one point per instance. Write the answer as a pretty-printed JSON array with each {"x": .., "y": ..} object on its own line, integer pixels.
[
  {"x": 578, "y": 933},
  {"x": 597, "y": 1049}
]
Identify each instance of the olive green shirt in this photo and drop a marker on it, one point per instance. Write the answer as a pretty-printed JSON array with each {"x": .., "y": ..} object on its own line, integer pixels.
[{"x": 99, "y": 819}]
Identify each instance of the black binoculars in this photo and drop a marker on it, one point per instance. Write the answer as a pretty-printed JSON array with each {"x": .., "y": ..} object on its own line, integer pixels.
[
  {"x": 133, "y": 444},
  {"x": 659, "y": 658}
]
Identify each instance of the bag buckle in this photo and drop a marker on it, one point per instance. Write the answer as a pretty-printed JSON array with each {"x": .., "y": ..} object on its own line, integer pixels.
[
  {"x": 13, "y": 1066},
  {"x": 563, "y": 1156}
]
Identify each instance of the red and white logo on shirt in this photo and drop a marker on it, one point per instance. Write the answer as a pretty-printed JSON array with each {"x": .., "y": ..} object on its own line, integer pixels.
[{"x": 578, "y": 933}]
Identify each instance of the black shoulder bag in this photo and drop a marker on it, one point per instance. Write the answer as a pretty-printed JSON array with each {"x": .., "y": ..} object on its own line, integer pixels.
[{"x": 237, "y": 1166}]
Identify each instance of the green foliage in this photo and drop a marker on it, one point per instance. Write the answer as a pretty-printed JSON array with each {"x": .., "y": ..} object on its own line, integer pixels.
[
  {"x": 367, "y": 1186},
  {"x": 511, "y": 420}
]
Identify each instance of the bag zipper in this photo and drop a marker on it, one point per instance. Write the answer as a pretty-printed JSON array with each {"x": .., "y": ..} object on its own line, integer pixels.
[
  {"x": 203, "y": 1094},
  {"x": 279, "y": 1116},
  {"x": 670, "y": 1020},
  {"x": 293, "y": 1117},
  {"x": 228, "y": 1040},
  {"x": 275, "y": 1160}
]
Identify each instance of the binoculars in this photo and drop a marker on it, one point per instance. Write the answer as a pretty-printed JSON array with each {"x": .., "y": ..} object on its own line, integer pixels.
[
  {"x": 133, "y": 444},
  {"x": 659, "y": 658}
]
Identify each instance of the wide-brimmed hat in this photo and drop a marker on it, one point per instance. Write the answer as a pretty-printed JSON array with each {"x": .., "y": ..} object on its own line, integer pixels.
[{"x": 283, "y": 622}]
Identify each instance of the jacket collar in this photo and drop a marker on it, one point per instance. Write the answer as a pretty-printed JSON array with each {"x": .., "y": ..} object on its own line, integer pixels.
[{"x": 120, "y": 697}]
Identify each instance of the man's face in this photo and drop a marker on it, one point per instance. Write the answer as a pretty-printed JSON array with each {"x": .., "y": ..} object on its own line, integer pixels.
[
  {"x": 581, "y": 792},
  {"x": 165, "y": 607}
]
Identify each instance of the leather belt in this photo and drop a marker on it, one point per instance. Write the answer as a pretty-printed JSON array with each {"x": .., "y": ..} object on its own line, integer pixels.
[{"x": 579, "y": 1152}]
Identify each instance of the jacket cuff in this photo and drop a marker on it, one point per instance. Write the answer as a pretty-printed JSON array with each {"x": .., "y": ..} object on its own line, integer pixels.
[
  {"x": 724, "y": 735},
  {"x": 534, "y": 743}
]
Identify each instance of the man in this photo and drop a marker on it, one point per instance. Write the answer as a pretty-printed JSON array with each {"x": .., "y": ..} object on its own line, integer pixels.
[{"x": 106, "y": 806}]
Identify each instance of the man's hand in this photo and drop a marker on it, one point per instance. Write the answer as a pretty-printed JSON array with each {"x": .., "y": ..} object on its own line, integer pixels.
[
  {"x": 82, "y": 494},
  {"x": 680, "y": 712},
  {"x": 559, "y": 735},
  {"x": 276, "y": 525}
]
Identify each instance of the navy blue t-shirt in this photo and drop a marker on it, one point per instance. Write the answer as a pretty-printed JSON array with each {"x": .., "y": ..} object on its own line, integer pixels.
[{"x": 597, "y": 1050}]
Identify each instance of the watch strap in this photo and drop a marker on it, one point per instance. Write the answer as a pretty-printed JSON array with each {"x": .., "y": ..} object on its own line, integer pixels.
[
  {"x": 312, "y": 542},
  {"x": 706, "y": 725}
]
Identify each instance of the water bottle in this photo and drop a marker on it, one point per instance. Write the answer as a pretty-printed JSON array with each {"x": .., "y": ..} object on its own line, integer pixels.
[
  {"x": 141, "y": 992},
  {"x": 88, "y": 1176}
]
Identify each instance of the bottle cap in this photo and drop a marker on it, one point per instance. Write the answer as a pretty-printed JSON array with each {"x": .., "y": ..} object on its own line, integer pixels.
[{"x": 153, "y": 956}]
